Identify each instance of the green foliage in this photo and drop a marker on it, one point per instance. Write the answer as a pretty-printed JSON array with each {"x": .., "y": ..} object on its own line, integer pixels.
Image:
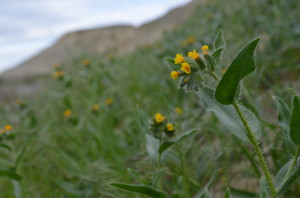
[
  {"x": 166, "y": 144},
  {"x": 295, "y": 121},
  {"x": 219, "y": 40},
  {"x": 80, "y": 155},
  {"x": 242, "y": 65},
  {"x": 228, "y": 116},
  {"x": 141, "y": 189},
  {"x": 10, "y": 174}
]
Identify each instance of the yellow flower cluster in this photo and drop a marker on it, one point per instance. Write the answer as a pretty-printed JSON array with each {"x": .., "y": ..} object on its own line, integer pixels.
[
  {"x": 185, "y": 66},
  {"x": 178, "y": 110},
  {"x": 159, "y": 118},
  {"x": 86, "y": 62},
  {"x": 161, "y": 125},
  {"x": 188, "y": 41},
  {"x": 108, "y": 101},
  {"x": 58, "y": 74},
  {"x": 6, "y": 129},
  {"x": 95, "y": 107},
  {"x": 170, "y": 127},
  {"x": 67, "y": 113}
]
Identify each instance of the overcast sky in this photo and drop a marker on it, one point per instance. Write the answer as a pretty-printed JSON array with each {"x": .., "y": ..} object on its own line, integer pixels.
[{"x": 27, "y": 26}]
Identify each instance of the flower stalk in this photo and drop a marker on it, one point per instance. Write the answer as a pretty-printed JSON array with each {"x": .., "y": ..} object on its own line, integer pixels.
[{"x": 258, "y": 151}]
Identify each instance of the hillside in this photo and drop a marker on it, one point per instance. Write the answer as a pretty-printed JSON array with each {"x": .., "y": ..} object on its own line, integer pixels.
[{"x": 120, "y": 39}]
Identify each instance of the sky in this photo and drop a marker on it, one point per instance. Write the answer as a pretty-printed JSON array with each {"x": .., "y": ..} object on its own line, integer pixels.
[{"x": 28, "y": 26}]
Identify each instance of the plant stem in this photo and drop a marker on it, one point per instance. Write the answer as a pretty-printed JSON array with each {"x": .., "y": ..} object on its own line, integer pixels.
[
  {"x": 292, "y": 166},
  {"x": 214, "y": 75},
  {"x": 257, "y": 149}
]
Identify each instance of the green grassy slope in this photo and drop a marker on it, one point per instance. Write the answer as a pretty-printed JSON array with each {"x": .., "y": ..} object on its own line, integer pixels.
[{"x": 64, "y": 159}]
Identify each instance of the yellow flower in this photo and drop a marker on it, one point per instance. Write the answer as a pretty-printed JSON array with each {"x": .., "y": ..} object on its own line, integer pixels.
[
  {"x": 8, "y": 127},
  {"x": 188, "y": 41},
  {"x": 67, "y": 113},
  {"x": 109, "y": 56},
  {"x": 179, "y": 59},
  {"x": 158, "y": 118},
  {"x": 193, "y": 55},
  {"x": 108, "y": 101},
  {"x": 58, "y": 74},
  {"x": 205, "y": 49},
  {"x": 95, "y": 107},
  {"x": 178, "y": 110},
  {"x": 56, "y": 65},
  {"x": 174, "y": 74},
  {"x": 170, "y": 127},
  {"x": 19, "y": 102},
  {"x": 86, "y": 62},
  {"x": 186, "y": 67}
]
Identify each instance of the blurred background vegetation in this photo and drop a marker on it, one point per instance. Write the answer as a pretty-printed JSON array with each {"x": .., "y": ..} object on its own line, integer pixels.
[{"x": 78, "y": 156}]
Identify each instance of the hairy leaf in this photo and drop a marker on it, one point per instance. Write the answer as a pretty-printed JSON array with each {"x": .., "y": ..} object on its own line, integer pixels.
[
  {"x": 242, "y": 65},
  {"x": 167, "y": 144},
  {"x": 228, "y": 116},
  {"x": 219, "y": 40}
]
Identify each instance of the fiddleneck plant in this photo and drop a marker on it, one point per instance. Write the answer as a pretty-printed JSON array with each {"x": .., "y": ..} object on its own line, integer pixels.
[{"x": 219, "y": 89}]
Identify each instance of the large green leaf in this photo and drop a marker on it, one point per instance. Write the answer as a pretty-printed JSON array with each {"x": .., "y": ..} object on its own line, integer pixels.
[
  {"x": 10, "y": 174},
  {"x": 242, "y": 65},
  {"x": 228, "y": 116},
  {"x": 219, "y": 40},
  {"x": 167, "y": 144},
  {"x": 295, "y": 121},
  {"x": 141, "y": 189}
]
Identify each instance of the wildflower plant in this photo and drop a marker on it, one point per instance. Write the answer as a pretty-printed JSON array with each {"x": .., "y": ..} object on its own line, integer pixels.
[{"x": 220, "y": 92}]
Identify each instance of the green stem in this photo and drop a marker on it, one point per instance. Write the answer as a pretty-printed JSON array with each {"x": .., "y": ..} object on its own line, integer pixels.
[
  {"x": 258, "y": 151},
  {"x": 292, "y": 166},
  {"x": 214, "y": 75}
]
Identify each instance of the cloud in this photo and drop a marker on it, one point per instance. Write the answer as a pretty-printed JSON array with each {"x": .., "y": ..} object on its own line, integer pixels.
[{"x": 28, "y": 26}]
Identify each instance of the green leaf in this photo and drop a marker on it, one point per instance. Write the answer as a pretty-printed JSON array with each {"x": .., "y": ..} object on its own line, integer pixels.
[
  {"x": 295, "y": 121},
  {"x": 219, "y": 40},
  {"x": 217, "y": 55},
  {"x": 167, "y": 144},
  {"x": 284, "y": 114},
  {"x": 152, "y": 145},
  {"x": 141, "y": 189},
  {"x": 263, "y": 188},
  {"x": 24, "y": 146},
  {"x": 5, "y": 146},
  {"x": 284, "y": 117},
  {"x": 242, "y": 65},
  {"x": 278, "y": 179},
  {"x": 171, "y": 63},
  {"x": 10, "y": 174},
  {"x": 227, "y": 193},
  {"x": 283, "y": 185},
  {"x": 70, "y": 188},
  {"x": 204, "y": 193},
  {"x": 228, "y": 116}
]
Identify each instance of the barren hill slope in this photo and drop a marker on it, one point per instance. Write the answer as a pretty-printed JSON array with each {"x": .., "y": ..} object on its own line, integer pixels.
[{"x": 97, "y": 41}]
